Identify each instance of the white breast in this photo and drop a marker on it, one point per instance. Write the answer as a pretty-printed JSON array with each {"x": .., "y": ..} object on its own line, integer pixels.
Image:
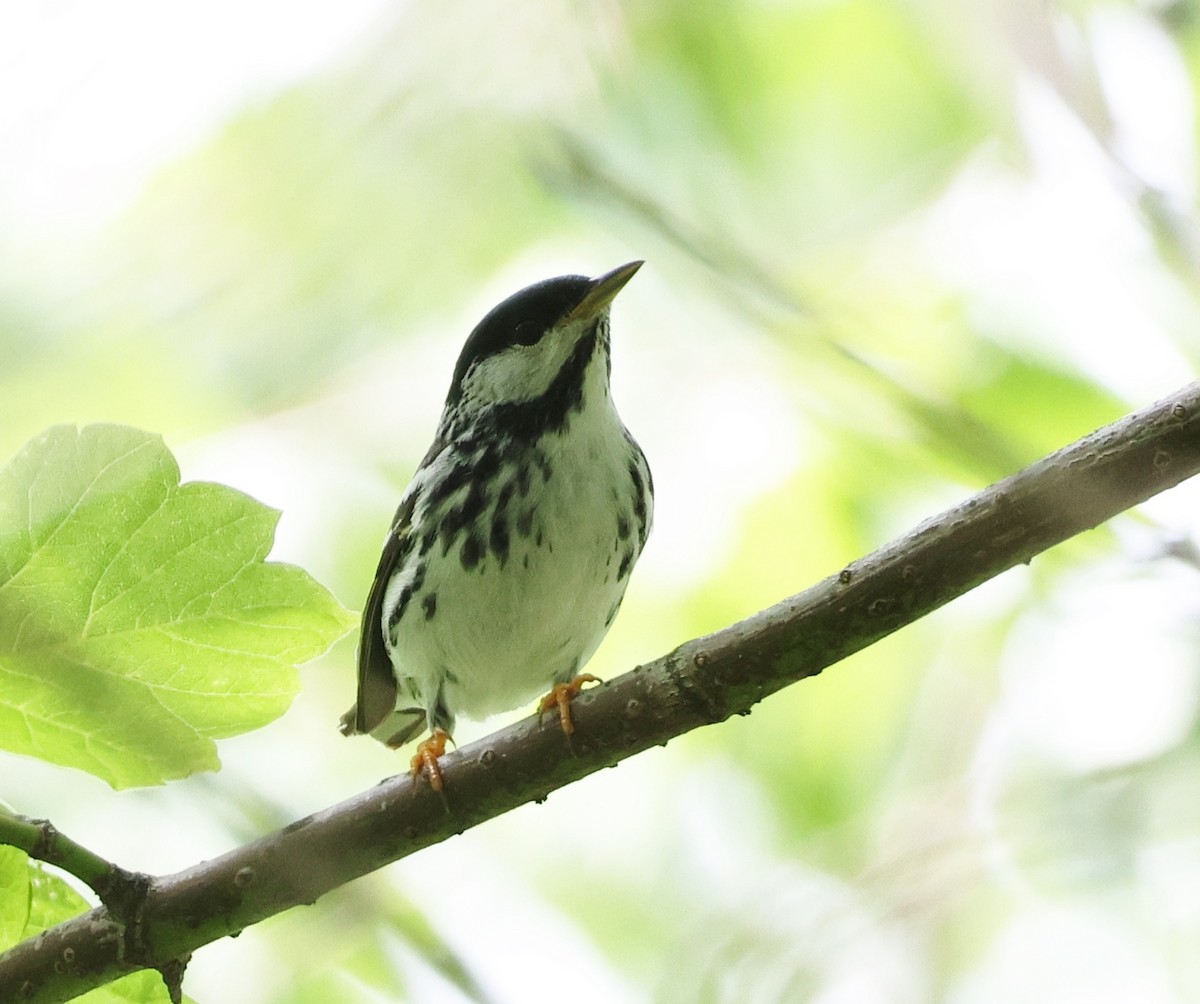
[{"x": 503, "y": 631}]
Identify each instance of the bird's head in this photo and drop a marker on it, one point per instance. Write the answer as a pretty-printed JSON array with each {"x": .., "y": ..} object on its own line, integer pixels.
[{"x": 532, "y": 349}]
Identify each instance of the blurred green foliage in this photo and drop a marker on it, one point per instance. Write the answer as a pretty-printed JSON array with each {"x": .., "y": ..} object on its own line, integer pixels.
[{"x": 926, "y": 237}]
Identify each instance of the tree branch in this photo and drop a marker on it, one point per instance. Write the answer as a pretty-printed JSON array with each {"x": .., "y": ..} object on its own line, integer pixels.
[
  {"x": 41, "y": 840},
  {"x": 703, "y": 681}
]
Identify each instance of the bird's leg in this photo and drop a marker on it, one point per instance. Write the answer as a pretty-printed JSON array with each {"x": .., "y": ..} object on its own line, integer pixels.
[
  {"x": 425, "y": 760},
  {"x": 560, "y": 697}
]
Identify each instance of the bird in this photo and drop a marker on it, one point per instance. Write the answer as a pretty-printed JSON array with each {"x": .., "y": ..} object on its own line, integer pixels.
[{"x": 512, "y": 546}]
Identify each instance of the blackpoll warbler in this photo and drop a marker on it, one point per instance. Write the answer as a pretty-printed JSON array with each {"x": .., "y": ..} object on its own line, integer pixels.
[{"x": 509, "y": 554}]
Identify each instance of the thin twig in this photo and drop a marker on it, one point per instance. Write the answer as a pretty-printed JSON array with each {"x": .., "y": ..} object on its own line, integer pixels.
[{"x": 41, "y": 840}]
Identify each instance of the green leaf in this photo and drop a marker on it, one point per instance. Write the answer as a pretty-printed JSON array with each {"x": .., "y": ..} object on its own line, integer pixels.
[
  {"x": 138, "y": 617},
  {"x": 145, "y": 987},
  {"x": 14, "y": 895}
]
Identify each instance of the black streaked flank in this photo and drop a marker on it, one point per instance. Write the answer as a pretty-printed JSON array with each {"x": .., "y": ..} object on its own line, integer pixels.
[
  {"x": 472, "y": 551},
  {"x": 641, "y": 488},
  {"x": 401, "y": 605},
  {"x": 498, "y": 542},
  {"x": 504, "y": 496},
  {"x": 405, "y": 597},
  {"x": 524, "y": 481},
  {"x": 455, "y": 477},
  {"x": 439, "y": 714},
  {"x": 429, "y": 605}
]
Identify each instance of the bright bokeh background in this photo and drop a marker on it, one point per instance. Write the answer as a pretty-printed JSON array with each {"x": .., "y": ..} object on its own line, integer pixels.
[{"x": 896, "y": 250}]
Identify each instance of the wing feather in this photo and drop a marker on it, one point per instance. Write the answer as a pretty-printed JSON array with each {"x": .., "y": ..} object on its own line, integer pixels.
[{"x": 377, "y": 687}]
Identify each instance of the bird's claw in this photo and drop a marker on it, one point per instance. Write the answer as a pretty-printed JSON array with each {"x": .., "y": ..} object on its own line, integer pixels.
[
  {"x": 560, "y": 697},
  {"x": 425, "y": 760}
]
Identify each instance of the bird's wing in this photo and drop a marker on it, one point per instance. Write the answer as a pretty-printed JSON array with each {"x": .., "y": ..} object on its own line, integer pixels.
[
  {"x": 376, "y": 678},
  {"x": 377, "y": 686}
]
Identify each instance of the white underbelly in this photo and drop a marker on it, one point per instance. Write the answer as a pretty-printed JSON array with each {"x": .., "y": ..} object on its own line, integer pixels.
[
  {"x": 500, "y": 633},
  {"x": 505, "y": 638}
]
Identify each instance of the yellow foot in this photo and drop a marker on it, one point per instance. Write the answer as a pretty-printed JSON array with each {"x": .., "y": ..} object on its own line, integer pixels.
[
  {"x": 560, "y": 697},
  {"x": 425, "y": 760}
]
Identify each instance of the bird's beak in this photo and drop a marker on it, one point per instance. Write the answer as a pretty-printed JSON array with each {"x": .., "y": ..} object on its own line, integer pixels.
[{"x": 602, "y": 290}]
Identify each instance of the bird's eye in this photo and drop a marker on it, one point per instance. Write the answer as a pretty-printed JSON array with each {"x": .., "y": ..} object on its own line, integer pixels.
[{"x": 526, "y": 333}]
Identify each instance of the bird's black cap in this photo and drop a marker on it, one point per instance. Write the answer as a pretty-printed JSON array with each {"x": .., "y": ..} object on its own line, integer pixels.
[{"x": 526, "y": 315}]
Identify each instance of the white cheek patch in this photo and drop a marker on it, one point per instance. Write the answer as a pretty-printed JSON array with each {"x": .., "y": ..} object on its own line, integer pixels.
[{"x": 520, "y": 372}]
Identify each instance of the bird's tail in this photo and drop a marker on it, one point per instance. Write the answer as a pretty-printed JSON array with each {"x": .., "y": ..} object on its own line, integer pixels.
[{"x": 401, "y": 726}]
